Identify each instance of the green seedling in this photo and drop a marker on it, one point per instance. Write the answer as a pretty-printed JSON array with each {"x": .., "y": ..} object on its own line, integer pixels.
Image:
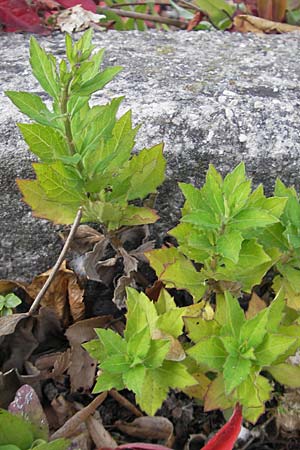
[
  {"x": 241, "y": 351},
  {"x": 146, "y": 360},
  {"x": 85, "y": 151},
  {"x": 8, "y": 303}
]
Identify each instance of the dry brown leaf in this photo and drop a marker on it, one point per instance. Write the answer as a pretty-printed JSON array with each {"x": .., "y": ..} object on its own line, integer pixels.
[
  {"x": 64, "y": 295},
  {"x": 77, "y": 19},
  {"x": 84, "y": 240},
  {"x": 288, "y": 419},
  {"x": 255, "y": 305},
  {"x": 63, "y": 409},
  {"x": 7, "y": 286},
  {"x": 82, "y": 369},
  {"x": 9, "y": 384},
  {"x": 53, "y": 365},
  {"x": 100, "y": 436},
  {"x": 199, "y": 389},
  {"x": 148, "y": 428},
  {"x": 246, "y": 23}
]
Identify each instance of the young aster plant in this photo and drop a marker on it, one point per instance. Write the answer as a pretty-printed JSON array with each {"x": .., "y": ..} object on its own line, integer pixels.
[
  {"x": 85, "y": 151},
  {"x": 8, "y": 303},
  {"x": 237, "y": 350},
  {"x": 220, "y": 228},
  {"x": 147, "y": 359}
]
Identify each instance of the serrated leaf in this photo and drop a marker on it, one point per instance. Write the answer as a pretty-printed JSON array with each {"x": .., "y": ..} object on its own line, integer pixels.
[
  {"x": 254, "y": 330},
  {"x": 192, "y": 242},
  {"x": 275, "y": 313},
  {"x": 198, "y": 328},
  {"x": 209, "y": 351},
  {"x": 138, "y": 344},
  {"x": 97, "y": 82},
  {"x": 174, "y": 375},
  {"x": 146, "y": 170},
  {"x": 44, "y": 141},
  {"x": 9, "y": 424},
  {"x": 292, "y": 274},
  {"x": 111, "y": 343},
  {"x": 193, "y": 198},
  {"x": 175, "y": 270},
  {"x": 32, "y": 106},
  {"x": 286, "y": 374},
  {"x": 165, "y": 302},
  {"x": 251, "y": 218},
  {"x": 43, "y": 207},
  {"x": 229, "y": 245},
  {"x": 44, "y": 68},
  {"x": 272, "y": 236},
  {"x": 171, "y": 322},
  {"x": 57, "y": 444},
  {"x": 203, "y": 218},
  {"x": 157, "y": 353},
  {"x": 118, "y": 364},
  {"x": 141, "y": 313},
  {"x": 212, "y": 191},
  {"x": 60, "y": 183},
  {"x": 107, "y": 381},
  {"x": 134, "y": 378},
  {"x": 273, "y": 346},
  {"x": 152, "y": 394},
  {"x": 236, "y": 370}
]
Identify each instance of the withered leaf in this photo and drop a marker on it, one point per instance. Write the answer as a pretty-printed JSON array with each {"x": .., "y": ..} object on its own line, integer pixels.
[
  {"x": 246, "y": 23},
  {"x": 82, "y": 367},
  {"x": 101, "y": 437},
  {"x": 147, "y": 428},
  {"x": 255, "y": 305}
]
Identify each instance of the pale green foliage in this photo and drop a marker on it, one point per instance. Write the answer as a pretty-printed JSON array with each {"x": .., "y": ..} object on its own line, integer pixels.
[
  {"x": 16, "y": 433},
  {"x": 238, "y": 349},
  {"x": 141, "y": 361},
  {"x": 220, "y": 228},
  {"x": 85, "y": 151},
  {"x": 8, "y": 303}
]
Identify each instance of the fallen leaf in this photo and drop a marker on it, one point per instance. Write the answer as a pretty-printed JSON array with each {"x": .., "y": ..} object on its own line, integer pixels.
[
  {"x": 176, "y": 351},
  {"x": 27, "y": 404},
  {"x": 53, "y": 365},
  {"x": 148, "y": 428},
  {"x": 153, "y": 292},
  {"x": 9, "y": 384},
  {"x": 84, "y": 240},
  {"x": 287, "y": 417},
  {"x": 82, "y": 367},
  {"x": 64, "y": 295},
  {"x": 246, "y": 23},
  {"x": 100, "y": 436},
  {"x": 77, "y": 18},
  {"x": 255, "y": 305}
]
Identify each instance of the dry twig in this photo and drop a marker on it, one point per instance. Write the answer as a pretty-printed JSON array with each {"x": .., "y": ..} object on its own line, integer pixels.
[{"x": 126, "y": 403}]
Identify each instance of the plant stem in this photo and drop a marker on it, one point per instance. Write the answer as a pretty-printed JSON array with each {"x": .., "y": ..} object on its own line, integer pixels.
[
  {"x": 151, "y": 18},
  {"x": 58, "y": 263},
  {"x": 64, "y": 110}
]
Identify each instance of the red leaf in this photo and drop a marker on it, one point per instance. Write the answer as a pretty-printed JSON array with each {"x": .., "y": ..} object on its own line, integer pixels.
[
  {"x": 228, "y": 434},
  {"x": 89, "y": 5},
  {"x": 139, "y": 446},
  {"x": 16, "y": 15}
]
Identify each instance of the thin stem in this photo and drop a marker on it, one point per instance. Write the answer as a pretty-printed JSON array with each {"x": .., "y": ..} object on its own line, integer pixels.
[
  {"x": 58, "y": 263},
  {"x": 64, "y": 110},
  {"x": 126, "y": 403},
  {"x": 151, "y": 18}
]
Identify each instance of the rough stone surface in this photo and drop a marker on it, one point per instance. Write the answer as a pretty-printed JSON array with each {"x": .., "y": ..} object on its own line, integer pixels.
[{"x": 212, "y": 97}]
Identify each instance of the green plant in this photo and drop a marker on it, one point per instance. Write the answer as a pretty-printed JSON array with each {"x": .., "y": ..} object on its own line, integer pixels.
[
  {"x": 85, "y": 151},
  {"x": 7, "y": 303},
  {"x": 16, "y": 433},
  {"x": 239, "y": 349},
  {"x": 146, "y": 360}
]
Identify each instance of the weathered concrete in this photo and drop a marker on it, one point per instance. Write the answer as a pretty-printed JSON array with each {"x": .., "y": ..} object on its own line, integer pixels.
[{"x": 212, "y": 97}]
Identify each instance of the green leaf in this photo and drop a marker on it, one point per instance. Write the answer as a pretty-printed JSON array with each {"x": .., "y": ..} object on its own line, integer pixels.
[
  {"x": 44, "y": 141},
  {"x": 11, "y": 301},
  {"x": 171, "y": 322},
  {"x": 116, "y": 364},
  {"x": 193, "y": 243},
  {"x": 141, "y": 313},
  {"x": 57, "y": 444},
  {"x": 42, "y": 207},
  {"x": 107, "y": 381},
  {"x": 193, "y": 196},
  {"x": 175, "y": 270},
  {"x": 95, "y": 349},
  {"x": 218, "y": 11},
  {"x": 251, "y": 218},
  {"x": 286, "y": 374},
  {"x": 15, "y": 430},
  {"x": 254, "y": 330},
  {"x": 234, "y": 179},
  {"x": 212, "y": 191},
  {"x": 215, "y": 397},
  {"x": 32, "y": 106},
  {"x": 229, "y": 245},
  {"x": 146, "y": 170},
  {"x": 111, "y": 343},
  {"x": 165, "y": 302},
  {"x": 236, "y": 370},
  {"x": 291, "y": 274},
  {"x": 152, "y": 394},
  {"x": 157, "y": 353},
  {"x": 134, "y": 378},
  {"x": 203, "y": 218},
  {"x": 44, "y": 68},
  {"x": 253, "y": 391},
  {"x": 60, "y": 183},
  {"x": 138, "y": 344},
  {"x": 210, "y": 352},
  {"x": 275, "y": 314},
  {"x": 198, "y": 328},
  {"x": 174, "y": 375},
  {"x": 235, "y": 317},
  {"x": 97, "y": 82},
  {"x": 272, "y": 347}
]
